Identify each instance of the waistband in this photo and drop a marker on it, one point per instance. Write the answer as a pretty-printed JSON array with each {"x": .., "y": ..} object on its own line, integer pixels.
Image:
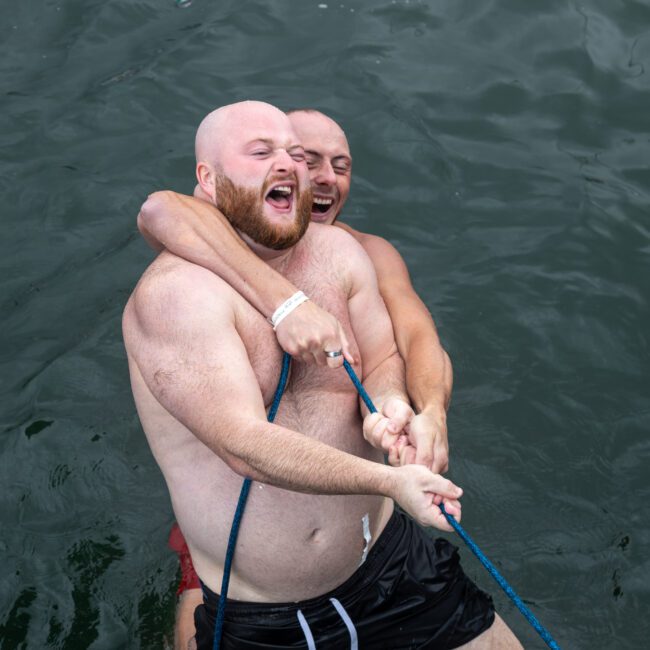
[{"x": 365, "y": 575}]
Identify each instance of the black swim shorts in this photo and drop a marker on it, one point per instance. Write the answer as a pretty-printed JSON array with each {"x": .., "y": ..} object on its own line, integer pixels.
[{"x": 411, "y": 592}]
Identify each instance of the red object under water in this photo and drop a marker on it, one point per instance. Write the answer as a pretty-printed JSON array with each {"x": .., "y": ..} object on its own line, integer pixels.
[{"x": 189, "y": 579}]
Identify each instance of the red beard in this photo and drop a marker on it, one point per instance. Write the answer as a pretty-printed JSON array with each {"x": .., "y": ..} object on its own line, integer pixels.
[{"x": 244, "y": 209}]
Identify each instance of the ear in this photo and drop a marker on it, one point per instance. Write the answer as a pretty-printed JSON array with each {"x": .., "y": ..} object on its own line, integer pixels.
[{"x": 205, "y": 176}]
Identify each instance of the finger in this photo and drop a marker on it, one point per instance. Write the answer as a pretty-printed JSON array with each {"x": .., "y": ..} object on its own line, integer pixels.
[
  {"x": 393, "y": 456},
  {"x": 423, "y": 443},
  {"x": 400, "y": 444},
  {"x": 369, "y": 423},
  {"x": 375, "y": 432},
  {"x": 453, "y": 508},
  {"x": 433, "y": 517},
  {"x": 316, "y": 349},
  {"x": 346, "y": 347},
  {"x": 398, "y": 422},
  {"x": 387, "y": 438},
  {"x": 440, "y": 463},
  {"x": 440, "y": 521},
  {"x": 452, "y": 503},
  {"x": 333, "y": 362},
  {"x": 407, "y": 455},
  {"x": 400, "y": 414},
  {"x": 444, "y": 487},
  {"x": 295, "y": 347},
  {"x": 437, "y": 500},
  {"x": 321, "y": 359}
]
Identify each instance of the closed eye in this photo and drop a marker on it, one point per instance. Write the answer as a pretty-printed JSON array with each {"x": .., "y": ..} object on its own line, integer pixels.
[{"x": 312, "y": 160}]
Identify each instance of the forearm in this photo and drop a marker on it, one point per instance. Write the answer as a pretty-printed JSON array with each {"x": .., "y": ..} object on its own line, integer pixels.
[
  {"x": 196, "y": 231},
  {"x": 429, "y": 374},
  {"x": 387, "y": 380},
  {"x": 292, "y": 461}
]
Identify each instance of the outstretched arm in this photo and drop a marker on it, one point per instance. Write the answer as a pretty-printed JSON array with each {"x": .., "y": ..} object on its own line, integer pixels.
[
  {"x": 180, "y": 332},
  {"x": 429, "y": 375},
  {"x": 196, "y": 231}
]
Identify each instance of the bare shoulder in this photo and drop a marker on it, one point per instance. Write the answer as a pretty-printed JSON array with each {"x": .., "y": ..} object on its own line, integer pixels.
[
  {"x": 331, "y": 235},
  {"x": 337, "y": 243},
  {"x": 172, "y": 289},
  {"x": 386, "y": 259}
]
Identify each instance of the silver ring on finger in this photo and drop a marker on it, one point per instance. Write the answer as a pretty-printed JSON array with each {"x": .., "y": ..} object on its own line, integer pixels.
[{"x": 332, "y": 354}]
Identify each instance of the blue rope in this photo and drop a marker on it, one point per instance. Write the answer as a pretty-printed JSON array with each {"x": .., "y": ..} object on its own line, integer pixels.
[
  {"x": 492, "y": 570},
  {"x": 359, "y": 386},
  {"x": 530, "y": 617},
  {"x": 241, "y": 504},
  {"x": 239, "y": 513}
]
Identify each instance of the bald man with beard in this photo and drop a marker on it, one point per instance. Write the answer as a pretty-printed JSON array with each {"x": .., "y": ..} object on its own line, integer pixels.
[
  {"x": 323, "y": 555},
  {"x": 195, "y": 230}
]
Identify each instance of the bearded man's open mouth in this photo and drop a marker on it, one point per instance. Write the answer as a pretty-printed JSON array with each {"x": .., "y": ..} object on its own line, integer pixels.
[{"x": 281, "y": 196}]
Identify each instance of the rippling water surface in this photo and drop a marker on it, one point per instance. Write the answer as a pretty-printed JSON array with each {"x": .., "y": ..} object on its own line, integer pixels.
[{"x": 503, "y": 146}]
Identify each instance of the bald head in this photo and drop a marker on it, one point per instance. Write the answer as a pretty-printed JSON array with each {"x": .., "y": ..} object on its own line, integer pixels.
[
  {"x": 217, "y": 128},
  {"x": 228, "y": 139},
  {"x": 311, "y": 125}
]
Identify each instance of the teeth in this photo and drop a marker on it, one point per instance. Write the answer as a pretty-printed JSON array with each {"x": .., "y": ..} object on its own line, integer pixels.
[
  {"x": 285, "y": 189},
  {"x": 320, "y": 201}
]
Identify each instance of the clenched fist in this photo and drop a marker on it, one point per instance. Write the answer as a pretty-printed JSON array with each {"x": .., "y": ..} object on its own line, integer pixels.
[{"x": 387, "y": 430}]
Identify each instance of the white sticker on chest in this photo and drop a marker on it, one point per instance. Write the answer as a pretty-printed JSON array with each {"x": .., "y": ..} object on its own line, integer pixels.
[{"x": 365, "y": 522}]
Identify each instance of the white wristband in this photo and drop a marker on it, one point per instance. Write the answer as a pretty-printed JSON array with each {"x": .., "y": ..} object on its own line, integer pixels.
[{"x": 287, "y": 307}]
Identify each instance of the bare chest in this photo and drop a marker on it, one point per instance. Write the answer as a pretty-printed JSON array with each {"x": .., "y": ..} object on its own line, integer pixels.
[{"x": 327, "y": 290}]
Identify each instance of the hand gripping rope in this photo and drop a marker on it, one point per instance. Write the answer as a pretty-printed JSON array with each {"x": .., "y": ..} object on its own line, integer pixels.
[{"x": 232, "y": 541}]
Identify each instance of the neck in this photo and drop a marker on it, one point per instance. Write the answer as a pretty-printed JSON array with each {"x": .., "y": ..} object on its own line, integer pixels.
[{"x": 275, "y": 259}]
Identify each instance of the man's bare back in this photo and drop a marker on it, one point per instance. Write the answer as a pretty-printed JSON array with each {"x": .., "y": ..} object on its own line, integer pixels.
[{"x": 291, "y": 545}]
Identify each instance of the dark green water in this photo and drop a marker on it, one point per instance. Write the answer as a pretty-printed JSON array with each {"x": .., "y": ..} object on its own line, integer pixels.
[{"x": 503, "y": 146}]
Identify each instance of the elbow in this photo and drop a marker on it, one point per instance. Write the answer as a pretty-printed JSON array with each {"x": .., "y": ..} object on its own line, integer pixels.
[
  {"x": 238, "y": 465},
  {"x": 230, "y": 456},
  {"x": 155, "y": 208},
  {"x": 244, "y": 469},
  {"x": 234, "y": 450},
  {"x": 155, "y": 218}
]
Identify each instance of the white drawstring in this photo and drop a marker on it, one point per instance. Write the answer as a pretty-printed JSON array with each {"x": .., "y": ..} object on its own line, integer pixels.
[
  {"x": 306, "y": 631},
  {"x": 354, "y": 644},
  {"x": 311, "y": 644}
]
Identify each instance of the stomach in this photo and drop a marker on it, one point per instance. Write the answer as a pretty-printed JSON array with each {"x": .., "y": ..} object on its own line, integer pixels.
[{"x": 291, "y": 546}]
